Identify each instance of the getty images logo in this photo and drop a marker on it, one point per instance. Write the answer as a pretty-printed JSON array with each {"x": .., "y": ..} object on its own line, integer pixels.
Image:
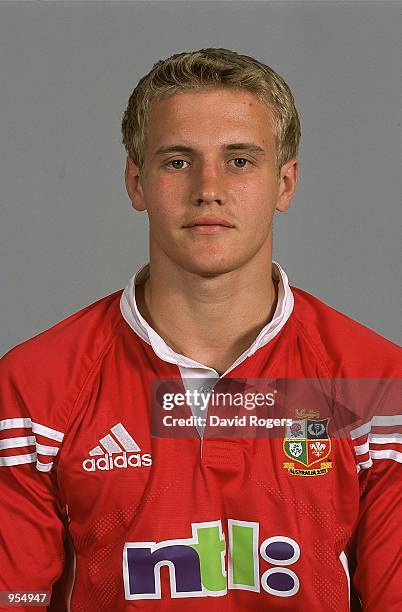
[{"x": 117, "y": 451}]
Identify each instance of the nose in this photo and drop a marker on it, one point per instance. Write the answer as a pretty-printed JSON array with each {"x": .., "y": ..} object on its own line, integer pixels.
[{"x": 208, "y": 184}]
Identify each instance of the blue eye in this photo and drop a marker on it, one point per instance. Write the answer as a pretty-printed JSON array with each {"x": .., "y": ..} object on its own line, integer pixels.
[{"x": 177, "y": 161}]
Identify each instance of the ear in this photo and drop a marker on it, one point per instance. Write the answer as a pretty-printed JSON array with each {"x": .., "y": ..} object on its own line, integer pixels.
[
  {"x": 133, "y": 185},
  {"x": 287, "y": 184}
]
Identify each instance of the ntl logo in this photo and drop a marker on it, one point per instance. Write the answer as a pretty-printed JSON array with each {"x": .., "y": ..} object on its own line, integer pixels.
[{"x": 197, "y": 565}]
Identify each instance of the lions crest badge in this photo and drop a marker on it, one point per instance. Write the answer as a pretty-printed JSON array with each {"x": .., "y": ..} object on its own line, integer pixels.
[{"x": 307, "y": 442}]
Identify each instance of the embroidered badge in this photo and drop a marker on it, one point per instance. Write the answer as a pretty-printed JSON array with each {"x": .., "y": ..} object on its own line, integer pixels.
[{"x": 307, "y": 443}]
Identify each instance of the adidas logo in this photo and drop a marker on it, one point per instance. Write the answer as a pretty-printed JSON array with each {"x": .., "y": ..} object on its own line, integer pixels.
[{"x": 117, "y": 451}]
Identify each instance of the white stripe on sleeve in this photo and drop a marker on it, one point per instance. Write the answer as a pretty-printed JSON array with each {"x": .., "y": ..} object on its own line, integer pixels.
[
  {"x": 7, "y": 425},
  {"x": 47, "y": 450},
  {"x": 14, "y": 424},
  {"x": 376, "y": 421},
  {"x": 385, "y": 438},
  {"x": 42, "y": 430},
  {"x": 17, "y": 442},
  {"x": 386, "y": 454},
  {"x": 44, "y": 467},
  {"x": 362, "y": 449},
  {"x": 18, "y": 459}
]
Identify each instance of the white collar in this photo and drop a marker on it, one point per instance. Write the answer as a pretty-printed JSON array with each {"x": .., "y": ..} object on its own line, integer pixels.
[{"x": 132, "y": 316}]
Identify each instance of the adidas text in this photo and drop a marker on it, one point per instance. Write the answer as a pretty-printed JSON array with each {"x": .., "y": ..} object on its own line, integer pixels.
[{"x": 111, "y": 462}]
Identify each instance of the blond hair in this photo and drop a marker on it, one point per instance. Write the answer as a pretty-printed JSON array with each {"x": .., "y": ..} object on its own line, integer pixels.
[{"x": 206, "y": 68}]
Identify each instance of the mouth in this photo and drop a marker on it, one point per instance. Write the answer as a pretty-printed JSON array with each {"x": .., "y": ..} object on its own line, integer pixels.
[{"x": 209, "y": 225}]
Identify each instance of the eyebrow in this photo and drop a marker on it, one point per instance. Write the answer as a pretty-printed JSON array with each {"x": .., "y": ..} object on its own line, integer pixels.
[{"x": 235, "y": 146}]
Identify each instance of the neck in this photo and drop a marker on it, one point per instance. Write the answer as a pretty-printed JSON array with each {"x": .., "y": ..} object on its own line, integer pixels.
[{"x": 209, "y": 319}]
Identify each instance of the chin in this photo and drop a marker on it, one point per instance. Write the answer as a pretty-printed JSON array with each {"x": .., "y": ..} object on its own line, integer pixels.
[{"x": 210, "y": 266}]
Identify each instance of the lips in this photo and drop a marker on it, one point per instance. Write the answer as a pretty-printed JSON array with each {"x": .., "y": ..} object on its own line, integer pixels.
[{"x": 209, "y": 221}]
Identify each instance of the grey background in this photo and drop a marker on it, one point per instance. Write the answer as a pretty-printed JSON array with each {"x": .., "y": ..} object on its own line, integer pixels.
[{"x": 68, "y": 233}]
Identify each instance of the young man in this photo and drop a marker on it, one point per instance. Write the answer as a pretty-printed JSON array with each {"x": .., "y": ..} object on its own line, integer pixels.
[{"x": 108, "y": 504}]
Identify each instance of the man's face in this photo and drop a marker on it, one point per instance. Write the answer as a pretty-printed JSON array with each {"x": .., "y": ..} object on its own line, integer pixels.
[{"x": 210, "y": 153}]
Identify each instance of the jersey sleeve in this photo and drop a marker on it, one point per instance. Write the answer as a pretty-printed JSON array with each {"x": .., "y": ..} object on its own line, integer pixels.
[
  {"x": 378, "y": 536},
  {"x": 32, "y": 516}
]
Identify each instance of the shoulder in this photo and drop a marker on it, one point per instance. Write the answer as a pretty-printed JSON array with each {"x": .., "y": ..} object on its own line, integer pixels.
[
  {"x": 86, "y": 329},
  {"x": 348, "y": 347},
  {"x": 42, "y": 378},
  {"x": 47, "y": 371}
]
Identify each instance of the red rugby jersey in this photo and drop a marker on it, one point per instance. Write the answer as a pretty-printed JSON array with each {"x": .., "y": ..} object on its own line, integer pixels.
[{"x": 106, "y": 515}]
